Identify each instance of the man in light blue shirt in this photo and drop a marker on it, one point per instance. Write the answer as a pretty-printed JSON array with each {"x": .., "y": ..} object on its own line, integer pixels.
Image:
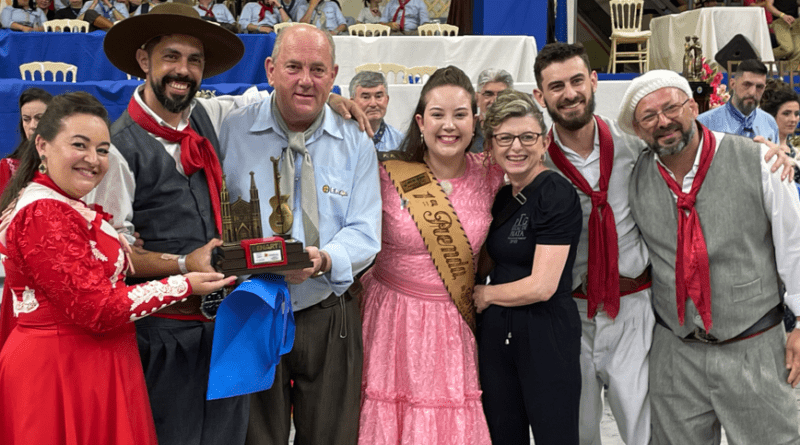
[
  {"x": 368, "y": 91},
  {"x": 340, "y": 162},
  {"x": 262, "y": 16},
  {"x": 326, "y": 15},
  {"x": 405, "y": 15},
  {"x": 112, "y": 10},
  {"x": 741, "y": 115}
]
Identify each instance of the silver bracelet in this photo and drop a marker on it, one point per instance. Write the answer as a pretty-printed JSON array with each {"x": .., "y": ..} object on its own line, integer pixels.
[{"x": 182, "y": 264}]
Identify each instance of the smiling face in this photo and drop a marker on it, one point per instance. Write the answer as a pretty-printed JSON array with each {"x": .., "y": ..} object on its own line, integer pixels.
[
  {"x": 30, "y": 113},
  {"x": 174, "y": 68},
  {"x": 521, "y": 163},
  {"x": 488, "y": 94},
  {"x": 77, "y": 157},
  {"x": 787, "y": 117},
  {"x": 373, "y": 101},
  {"x": 667, "y": 136},
  {"x": 302, "y": 74},
  {"x": 567, "y": 90},
  {"x": 43, "y": 4},
  {"x": 448, "y": 123}
]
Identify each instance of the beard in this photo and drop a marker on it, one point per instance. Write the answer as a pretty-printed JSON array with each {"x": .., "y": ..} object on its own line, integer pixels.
[
  {"x": 577, "y": 122},
  {"x": 743, "y": 108},
  {"x": 180, "y": 103},
  {"x": 675, "y": 148}
]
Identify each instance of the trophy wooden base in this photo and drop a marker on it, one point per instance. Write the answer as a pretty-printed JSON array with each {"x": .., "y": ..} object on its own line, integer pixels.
[{"x": 264, "y": 255}]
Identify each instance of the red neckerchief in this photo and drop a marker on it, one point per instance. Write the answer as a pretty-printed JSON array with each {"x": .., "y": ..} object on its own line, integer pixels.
[
  {"x": 197, "y": 153},
  {"x": 264, "y": 7},
  {"x": 402, "y": 6},
  {"x": 209, "y": 12},
  {"x": 46, "y": 181},
  {"x": 692, "y": 275},
  {"x": 602, "y": 284}
]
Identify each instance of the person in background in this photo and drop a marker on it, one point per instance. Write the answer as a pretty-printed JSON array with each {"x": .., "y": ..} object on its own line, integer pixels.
[
  {"x": 74, "y": 11},
  {"x": 146, "y": 6},
  {"x": 260, "y": 16},
  {"x": 326, "y": 15},
  {"x": 44, "y": 6},
  {"x": 32, "y": 104},
  {"x": 530, "y": 330},
  {"x": 368, "y": 89},
  {"x": 420, "y": 371},
  {"x": 23, "y": 16},
  {"x": 216, "y": 12},
  {"x": 111, "y": 10},
  {"x": 741, "y": 115},
  {"x": 405, "y": 16},
  {"x": 782, "y": 102},
  {"x": 787, "y": 35},
  {"x": 70, "y": 367},
  {"x": 490, "y": 83},
  {"x": 371, "y": 12}
]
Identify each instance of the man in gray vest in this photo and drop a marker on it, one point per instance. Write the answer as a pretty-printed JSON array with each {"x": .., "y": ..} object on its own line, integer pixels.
[
  {"x": 721, "y": 230},
  {"x": 163, "y": 182}
]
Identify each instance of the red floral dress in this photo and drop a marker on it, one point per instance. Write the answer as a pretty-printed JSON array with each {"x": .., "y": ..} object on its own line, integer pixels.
[{"x": 70, "y": 371}]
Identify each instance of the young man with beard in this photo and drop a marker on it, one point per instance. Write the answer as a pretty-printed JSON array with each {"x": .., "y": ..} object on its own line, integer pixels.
[
  {"x": 368, "y": 89},
  {"x": 741, "y": 115},
  {"x": 721, "y": 230},
  {"x": 163, "y": 182},
  {"x": 329, "y": 169},
  {"x": 611, "y": 271}
]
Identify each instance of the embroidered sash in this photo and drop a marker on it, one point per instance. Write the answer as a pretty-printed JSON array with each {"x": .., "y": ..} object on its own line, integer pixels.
[{"x": 441, "y": 231}]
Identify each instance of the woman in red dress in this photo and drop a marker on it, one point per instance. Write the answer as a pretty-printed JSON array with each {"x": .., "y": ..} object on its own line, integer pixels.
[{"x": 70, "y": 371}]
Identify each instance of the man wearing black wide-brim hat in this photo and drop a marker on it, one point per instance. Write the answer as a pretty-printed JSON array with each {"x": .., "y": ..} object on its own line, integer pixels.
[{"x": 163, "y": 182}]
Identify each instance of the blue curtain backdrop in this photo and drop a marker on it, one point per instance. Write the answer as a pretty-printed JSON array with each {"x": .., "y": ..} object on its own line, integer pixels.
[{"x": 519, "y": 17}]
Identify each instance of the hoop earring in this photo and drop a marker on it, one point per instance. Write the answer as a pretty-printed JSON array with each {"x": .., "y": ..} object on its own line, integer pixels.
[{"x": 42, "y": 167}]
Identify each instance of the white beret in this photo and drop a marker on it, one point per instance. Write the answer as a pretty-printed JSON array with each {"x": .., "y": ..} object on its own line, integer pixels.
[{"x": 644, "y": 85}]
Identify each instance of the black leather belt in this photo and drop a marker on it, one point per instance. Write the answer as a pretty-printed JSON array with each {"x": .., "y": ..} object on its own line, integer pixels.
[{"x": 699, "y": 335}]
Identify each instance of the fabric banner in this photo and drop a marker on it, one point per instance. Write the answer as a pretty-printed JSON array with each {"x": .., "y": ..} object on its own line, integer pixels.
[{"x": 254, "y": 328}]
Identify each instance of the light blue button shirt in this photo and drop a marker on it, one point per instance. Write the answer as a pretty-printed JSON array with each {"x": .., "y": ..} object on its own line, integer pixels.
[
  {"x": 221, "y": 13},
  {"x": 728, "y": 119},
  {"x": 333, "y": 15},
  {"x": 104, "y": 11},
  {"x": 348, "y": 190},
  {"x": 391, "y": 139},
  {"x": 250, "y": 14},
  {"x": 24, "y": 17},
  {"x": 416, "y": 14}
]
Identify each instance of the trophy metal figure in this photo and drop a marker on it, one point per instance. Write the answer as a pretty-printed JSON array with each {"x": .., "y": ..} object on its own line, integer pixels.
[
  {"x": 692, "y": 59},
  {"x": 244, "y": 251}
]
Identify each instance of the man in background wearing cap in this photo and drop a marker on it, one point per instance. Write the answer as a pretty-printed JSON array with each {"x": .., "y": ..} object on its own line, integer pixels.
[
  {"x": 720, "y": 355},
  {"x": 611, "y": 274},
  {"x": 368, "y": 91},
  {"x": 741, "y": 115},
  {"x": 163, "y": 182},
  {"x": 329, "y": 169}
]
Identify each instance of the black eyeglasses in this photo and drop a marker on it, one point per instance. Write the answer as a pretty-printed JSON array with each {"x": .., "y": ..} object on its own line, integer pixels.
[
  {"x": 526, "y": 139},
  {"x": 670, "y": 112}
]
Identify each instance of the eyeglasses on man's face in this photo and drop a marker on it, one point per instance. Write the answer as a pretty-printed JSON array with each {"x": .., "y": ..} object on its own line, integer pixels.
[
  {"x": 670, "y": 112},
  {"x": 527, "y": 139}
]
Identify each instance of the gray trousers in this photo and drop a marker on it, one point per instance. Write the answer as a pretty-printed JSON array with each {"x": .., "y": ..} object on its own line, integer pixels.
[
  {"x": 695, "y": 388},
  {"x": 325, "y": 366}
]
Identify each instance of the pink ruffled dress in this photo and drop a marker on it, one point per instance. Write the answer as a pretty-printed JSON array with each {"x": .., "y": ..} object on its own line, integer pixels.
[{"x": 420, "y": 383}]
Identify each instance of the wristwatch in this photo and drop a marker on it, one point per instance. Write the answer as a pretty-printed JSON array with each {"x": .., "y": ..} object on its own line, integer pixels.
[
  {"x": 182, "y": 264},
  {"x": 279, "y": 6}
]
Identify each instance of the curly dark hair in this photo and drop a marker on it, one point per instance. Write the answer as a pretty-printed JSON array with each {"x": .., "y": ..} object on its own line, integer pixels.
[{"x": 776, "y": 93}]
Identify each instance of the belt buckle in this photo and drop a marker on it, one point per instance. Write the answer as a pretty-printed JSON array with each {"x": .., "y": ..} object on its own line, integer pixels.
[{"x": 702, "y": 336}]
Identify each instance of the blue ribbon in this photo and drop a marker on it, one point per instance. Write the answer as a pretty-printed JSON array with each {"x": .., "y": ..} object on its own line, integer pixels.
[{"x": 253, "y": 328}]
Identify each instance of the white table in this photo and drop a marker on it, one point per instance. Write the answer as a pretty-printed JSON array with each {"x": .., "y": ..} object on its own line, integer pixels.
[
  {"x": 472, "y": 54},
  {"x": 714, "y": 27},
  {"x": 403, "y": 99}
]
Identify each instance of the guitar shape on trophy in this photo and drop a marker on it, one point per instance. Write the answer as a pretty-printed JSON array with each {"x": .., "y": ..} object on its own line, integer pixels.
[{"x": 281, "y": 218}]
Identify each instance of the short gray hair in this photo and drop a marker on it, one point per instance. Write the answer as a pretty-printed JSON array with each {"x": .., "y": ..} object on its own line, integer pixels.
[
  {"x": 510, "y": 103},
  {"x": 367, "y": 79},
  {"x": 494, "y": 75},
  {"x": 276, "y": 48}
]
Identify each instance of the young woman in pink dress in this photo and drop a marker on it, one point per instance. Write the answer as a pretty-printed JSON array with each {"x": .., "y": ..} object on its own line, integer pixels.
[
  {"x": 420, "y": 382},
  {"x": 70, "y": 371}
]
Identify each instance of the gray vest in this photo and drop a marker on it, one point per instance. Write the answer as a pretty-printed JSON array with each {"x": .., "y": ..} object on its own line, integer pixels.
[
  {"x": 730, "y": 204},
  {"x": 171, "y": 212}
]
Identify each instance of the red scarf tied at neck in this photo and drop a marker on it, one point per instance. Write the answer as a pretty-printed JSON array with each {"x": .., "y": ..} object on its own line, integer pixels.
[
  {"x": 603, "y": 266},
  {"x": 264, "y": 7},
  {"x": 692, "y": 275},
  {"x": 402, "y": 7},
  {"x": 209, "y": 12},
  {"x": 197, "y": 153}
]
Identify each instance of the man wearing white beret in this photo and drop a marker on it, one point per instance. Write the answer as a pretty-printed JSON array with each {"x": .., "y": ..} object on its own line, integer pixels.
[{"x": 721, "y": 229}]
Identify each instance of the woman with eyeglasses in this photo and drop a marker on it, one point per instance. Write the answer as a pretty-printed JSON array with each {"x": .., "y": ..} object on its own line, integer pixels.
[{"x": 527, "y": 311}]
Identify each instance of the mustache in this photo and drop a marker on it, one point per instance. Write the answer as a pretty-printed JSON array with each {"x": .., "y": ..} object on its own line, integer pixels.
[
  {"x": 175, "y": 78},
  {"x": 666, "y": 130},
  {"x": 569, "y": 102}
]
